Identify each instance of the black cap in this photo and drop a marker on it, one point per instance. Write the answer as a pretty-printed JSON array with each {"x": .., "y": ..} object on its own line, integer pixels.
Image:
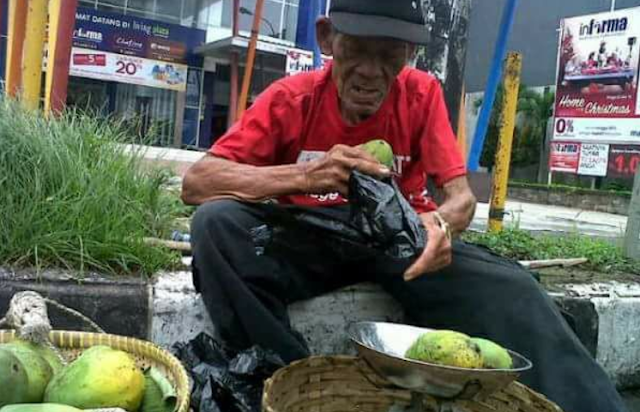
[{"x": 398, "y": 19}]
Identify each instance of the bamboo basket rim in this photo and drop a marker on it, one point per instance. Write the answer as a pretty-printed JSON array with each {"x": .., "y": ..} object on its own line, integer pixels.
[
  {"x": 77, "y": 340},
  {"x": 311, "y": 372}
]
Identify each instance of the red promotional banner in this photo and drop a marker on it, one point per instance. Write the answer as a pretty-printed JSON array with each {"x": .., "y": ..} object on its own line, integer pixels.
[
  {"x": 623, "y": 161},
  {"x": 84, "y": 59},
  {"x": 598, "y": 65},
  {"x": 565, "y": 157}
]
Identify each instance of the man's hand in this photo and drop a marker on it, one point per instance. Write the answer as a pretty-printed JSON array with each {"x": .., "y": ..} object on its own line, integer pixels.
[
  {"x": 437, "y": 254},
  {"x": 331, "y": 173}
]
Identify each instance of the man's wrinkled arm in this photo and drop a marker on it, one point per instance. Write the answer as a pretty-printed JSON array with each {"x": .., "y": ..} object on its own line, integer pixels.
[{"x": 459, "y": 204}]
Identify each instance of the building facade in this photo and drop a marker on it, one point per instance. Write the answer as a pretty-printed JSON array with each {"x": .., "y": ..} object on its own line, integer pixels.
[{"x": 166, "y": 64}]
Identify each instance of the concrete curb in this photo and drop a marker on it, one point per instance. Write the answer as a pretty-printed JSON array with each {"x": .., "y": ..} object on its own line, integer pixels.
[
  {"x": 167, "y": 310},
  {"x": 118, "y": 305}
]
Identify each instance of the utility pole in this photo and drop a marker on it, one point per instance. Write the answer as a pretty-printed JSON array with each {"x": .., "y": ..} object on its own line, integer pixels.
[
  {"x": 62, "y": 18},
  {"x": 32, "y": 54},
  {"x": 16, "y": 22},
  {"x": 505, "y": 141},
  {"x": 251, "y": 56},
  {"x": 632, "y": 237}
]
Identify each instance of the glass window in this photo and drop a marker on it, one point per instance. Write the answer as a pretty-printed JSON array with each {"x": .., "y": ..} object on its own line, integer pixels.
[
  {"x": 110, "y": 9},
  {"x": 271, "y": 17},
  {"x": 88, "y": 3},
  {"x": 169, "y": 8},
  {"x": 210, "y": 13},
  {"x": 117, "y": 3},
  {"x": 189, "y": 13},
  {"x": 140, "y": 13},
  {"x": 290, "y": 24},
  {"x": 141, "y": 5}
]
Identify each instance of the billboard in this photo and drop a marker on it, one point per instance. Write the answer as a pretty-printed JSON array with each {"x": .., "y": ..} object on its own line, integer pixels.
[
  {"x": 134, "y": 36},
  {"x": 128, "y": 69},
  {"x": 597, "y": 101}
]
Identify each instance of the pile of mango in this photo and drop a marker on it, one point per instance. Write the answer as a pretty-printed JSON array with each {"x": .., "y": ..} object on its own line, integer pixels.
[
  {"x": 34, "y": 379},
  {"x": 450, "y": 348}
]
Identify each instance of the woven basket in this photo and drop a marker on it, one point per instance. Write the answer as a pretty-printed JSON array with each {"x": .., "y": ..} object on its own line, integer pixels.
[
  {"x": 146, "y": 354},
  {"x": 348, "y": 384}
]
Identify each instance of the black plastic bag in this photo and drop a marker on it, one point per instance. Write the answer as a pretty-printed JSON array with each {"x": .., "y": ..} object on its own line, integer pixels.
[
  {"x": 223, "y": 380},
  {"x": 378, "y": 219}
]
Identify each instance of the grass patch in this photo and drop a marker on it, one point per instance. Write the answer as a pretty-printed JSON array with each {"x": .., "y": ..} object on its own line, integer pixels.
[
  {"x": 73, "y": 198},
  {"x": 571, "y": 189},
  {"x": 521, "y": 245}
]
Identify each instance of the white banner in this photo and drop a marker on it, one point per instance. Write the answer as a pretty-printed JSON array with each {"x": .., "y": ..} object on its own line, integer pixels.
[
  {"x": 101, "y": 65},
  {"x": 594, "y": 159},
  {"x": 598, "y": 130},
  {"x": 298, "y": 61}
]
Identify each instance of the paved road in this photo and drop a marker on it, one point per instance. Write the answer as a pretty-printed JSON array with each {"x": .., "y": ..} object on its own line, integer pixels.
[{"x": 530, "y": 216}]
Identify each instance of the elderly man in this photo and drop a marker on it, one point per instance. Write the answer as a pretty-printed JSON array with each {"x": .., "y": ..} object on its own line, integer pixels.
[{"x": 298, "y": 144}]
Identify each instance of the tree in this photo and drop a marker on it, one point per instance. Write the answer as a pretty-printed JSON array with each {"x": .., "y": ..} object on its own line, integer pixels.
[{"x": 534, "y": 109}]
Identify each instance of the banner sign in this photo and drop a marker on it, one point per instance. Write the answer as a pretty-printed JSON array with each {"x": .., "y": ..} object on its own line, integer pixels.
[
  {"x": 597, "y": 88},
  {"x": 623, "y": 161},
  {"x": 597, "y": 108},
  {"x": 134, "y": 36},
  {"x": 299, "y": 61},
  {"x": 128, "y": 69},
  {"x": 594, "y": 159},
  {"x": 565, "y": 157}
]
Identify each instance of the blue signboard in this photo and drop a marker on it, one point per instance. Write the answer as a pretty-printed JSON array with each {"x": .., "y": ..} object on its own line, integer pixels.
[{"x": 136, "y": 36}]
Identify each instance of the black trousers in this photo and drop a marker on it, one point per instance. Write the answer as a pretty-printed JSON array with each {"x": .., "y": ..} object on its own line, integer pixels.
[{"x": 247, "y": 292}]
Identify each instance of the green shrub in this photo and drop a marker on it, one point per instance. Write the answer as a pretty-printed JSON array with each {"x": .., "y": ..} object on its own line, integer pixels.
[
  {"x": 73, "y": 197},
  {"x": 521, "y": 245}
]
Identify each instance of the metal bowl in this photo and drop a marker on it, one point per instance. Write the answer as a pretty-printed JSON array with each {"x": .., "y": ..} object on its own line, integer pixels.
[{"x": 383, "y": 346}]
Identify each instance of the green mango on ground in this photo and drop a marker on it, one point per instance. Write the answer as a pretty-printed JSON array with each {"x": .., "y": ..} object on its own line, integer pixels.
[
  {"x": 101, "y": 377},
  {"x": 13, "y": 379}
]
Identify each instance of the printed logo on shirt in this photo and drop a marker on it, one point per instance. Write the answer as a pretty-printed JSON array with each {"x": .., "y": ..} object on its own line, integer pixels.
[
  {"x": 309, "y": 155},
  {"x": 398, "y": 160}
]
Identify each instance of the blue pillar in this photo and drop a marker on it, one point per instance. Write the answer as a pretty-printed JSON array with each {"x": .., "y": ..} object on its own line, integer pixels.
[
  {"x": 308, "y": 13},
  {"x": 495, "y": 75}
]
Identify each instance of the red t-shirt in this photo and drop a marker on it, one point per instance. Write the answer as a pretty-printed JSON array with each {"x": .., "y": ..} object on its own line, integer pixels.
[{"x": 298, "y": 119}]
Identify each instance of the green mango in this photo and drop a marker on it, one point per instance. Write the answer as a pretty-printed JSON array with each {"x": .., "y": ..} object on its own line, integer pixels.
[
  {"x": 381, "y": 150},
  {"x": 101, "y": 377},
  {"x": 494, "y": 356},
  {"x": 159, "y": 394},
  {"x": 446, "y": 347},
  {"x": 39, "y": 407},
  {"x": 38, "y": 371},
  {"x": 47, "y": 353},
  {"x": 13, "y": 379}
]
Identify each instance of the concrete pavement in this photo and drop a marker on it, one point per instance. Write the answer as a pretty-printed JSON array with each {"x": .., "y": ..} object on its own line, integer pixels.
[{"x": 534, "y": 217}]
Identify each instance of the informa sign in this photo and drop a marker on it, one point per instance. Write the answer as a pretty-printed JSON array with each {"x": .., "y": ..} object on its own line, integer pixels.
[
  {"x": 128, "y": 69},
  {"x": 597, "y": 90},
  {"x": 594, "y": 159},
  {"x": 565, "y": 157}
]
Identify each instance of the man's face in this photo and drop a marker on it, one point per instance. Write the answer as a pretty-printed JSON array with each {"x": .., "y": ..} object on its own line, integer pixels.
[{"x": 364, "y": 69}]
